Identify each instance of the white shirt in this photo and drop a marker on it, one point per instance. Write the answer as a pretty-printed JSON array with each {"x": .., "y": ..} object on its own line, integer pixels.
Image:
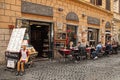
[{"x": 23, "y": 54}]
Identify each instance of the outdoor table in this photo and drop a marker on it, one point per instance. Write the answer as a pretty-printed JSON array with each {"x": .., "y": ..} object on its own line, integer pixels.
[
  {"x": 88, "y": 50},
  {"x": 103, "y": 48},
  {"x": 75, "y": 51},
  {"x": 65, "y": 52}
]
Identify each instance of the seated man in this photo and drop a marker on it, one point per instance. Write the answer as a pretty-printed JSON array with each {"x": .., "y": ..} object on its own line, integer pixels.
[
  {"x": 23, "y": 59},
  {"x": 97, "y": 51}
]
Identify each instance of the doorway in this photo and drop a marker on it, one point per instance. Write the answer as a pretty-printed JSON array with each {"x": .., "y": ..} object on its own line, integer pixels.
[
  {"x": 107, "y": 35},
  {"x": 40, "y": 39},
  {"x": 93, "y": 35}
]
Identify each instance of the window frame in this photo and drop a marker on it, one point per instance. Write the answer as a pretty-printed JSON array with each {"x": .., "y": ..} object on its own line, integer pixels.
[
  {"x": 96, "y": 2},
  {"x": 108, "y": 5}
]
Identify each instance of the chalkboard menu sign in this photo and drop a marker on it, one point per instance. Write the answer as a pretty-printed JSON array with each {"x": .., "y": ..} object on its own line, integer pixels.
[{"x": 16, "y": 40}]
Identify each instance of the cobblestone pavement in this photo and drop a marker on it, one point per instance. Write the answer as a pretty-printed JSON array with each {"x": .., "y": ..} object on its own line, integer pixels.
[{"x": 105, "y": 68}]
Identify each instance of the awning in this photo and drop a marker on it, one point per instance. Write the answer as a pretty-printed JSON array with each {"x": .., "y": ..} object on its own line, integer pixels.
[
  {"x": 107, "y": 32},
  {"x": 90, "y": 30}
]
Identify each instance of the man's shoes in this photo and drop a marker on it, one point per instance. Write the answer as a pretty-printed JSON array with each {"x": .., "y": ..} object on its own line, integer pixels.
[
  {"x": 95, "y": 57},
  {"x": 76, "y": 61},
  {"x": 107, "y": 56},
  {"x": 17, "y": 73}
]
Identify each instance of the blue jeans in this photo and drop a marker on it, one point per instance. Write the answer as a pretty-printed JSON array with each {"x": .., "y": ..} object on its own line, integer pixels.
[{"x": 95, "y": 53}]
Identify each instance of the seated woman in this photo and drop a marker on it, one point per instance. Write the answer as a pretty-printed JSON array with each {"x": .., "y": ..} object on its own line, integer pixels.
[
  {"x": 71, "y": 46},
  {"x": 23, "y": 59}
]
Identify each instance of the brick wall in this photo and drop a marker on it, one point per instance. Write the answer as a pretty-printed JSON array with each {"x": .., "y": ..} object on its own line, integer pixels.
[
  {"x": 4, "y": 39},
  {"x": 9, "y": 11}
]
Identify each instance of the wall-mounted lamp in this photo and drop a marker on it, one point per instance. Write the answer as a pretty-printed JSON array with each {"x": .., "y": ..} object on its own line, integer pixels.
[
  {"x": 83, "y": 15},
  {"x": 103, "y": 20},
  {"x": 60, "y": 9}
]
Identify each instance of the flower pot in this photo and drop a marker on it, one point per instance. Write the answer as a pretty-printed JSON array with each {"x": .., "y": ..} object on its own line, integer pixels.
[{"x": 11, "y": 26}]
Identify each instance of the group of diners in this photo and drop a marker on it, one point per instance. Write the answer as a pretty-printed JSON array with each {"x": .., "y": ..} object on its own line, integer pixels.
[{"x": 89, "y": 52}]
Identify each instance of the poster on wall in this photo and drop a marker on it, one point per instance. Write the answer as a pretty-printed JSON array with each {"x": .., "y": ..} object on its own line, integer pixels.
[{"x": 16, "y": 40}]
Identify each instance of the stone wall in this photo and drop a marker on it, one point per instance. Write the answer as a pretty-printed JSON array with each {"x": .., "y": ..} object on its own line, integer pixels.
[
  {"x": 4, "y": 39},
  {"x": 9, "y": 11}
]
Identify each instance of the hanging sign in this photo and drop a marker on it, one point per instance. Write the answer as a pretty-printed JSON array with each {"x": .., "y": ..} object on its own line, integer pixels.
[
  {"x": 59, "y": 25},
  {"x": 16, "y": 40}
]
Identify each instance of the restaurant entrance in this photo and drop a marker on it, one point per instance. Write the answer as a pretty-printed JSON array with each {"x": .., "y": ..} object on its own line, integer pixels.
[
  {"x": 93, "y": 35},
  {"x": 41, "y": 39},
  {"x": 107, "y": 36}
]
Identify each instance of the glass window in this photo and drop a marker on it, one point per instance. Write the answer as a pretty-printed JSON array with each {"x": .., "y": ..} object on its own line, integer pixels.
[
  {"x": 72, "y": 33},
  {"x": 108, "y": 4},
  {"x": 92, "y": 1},
  {"x": 96, "y": 2}
]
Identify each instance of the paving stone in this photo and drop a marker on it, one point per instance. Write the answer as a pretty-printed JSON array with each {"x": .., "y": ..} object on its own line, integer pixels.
[{"x": 105, "y": 68}]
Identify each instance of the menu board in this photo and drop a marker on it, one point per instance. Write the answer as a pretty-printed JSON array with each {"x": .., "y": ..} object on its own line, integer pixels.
[
  {"x": 16, "y": 40},
  {"x": 10, "y": 64}
]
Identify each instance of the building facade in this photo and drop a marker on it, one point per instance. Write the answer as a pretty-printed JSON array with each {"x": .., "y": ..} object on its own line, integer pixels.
[
  {"x": 54, "y": 23},
  {"x": 116, "y": 21}
]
